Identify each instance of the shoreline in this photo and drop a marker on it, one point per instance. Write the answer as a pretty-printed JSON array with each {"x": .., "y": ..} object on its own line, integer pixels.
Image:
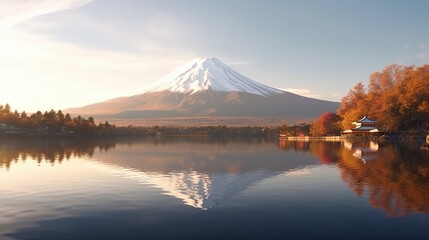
[
  {"x": 270, "y": 134},
  {"x": 341, "y": 138}
]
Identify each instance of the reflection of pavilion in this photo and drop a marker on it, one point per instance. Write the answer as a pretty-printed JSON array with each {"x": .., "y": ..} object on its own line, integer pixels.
[
  {"x": 365, "y": 151},
  {"x": 398, "y": 187}
]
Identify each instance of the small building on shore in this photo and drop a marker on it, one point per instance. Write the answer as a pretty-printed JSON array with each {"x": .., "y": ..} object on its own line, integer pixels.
[{"x": 365, "y": 127}]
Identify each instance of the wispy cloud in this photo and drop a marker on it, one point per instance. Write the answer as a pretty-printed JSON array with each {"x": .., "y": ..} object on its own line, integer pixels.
[
  {"x": 13, "y": 12},
  {"x": 303, "y": 92},
  {"x": 424, "y": 46}
]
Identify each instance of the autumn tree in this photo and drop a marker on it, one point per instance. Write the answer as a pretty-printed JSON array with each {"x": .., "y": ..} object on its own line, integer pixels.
[
  {"x": 6, "y": 108},
  {"x": 60, "y": 117},
  {"x": 285, "y": 129},
  {"x": 353, "y": 105},
  {"x": 37, "y": 117},
  {"x": 67, "y": 118},
  {"x": 327, "y": 124},
  {"x": 414, "y": 98}
]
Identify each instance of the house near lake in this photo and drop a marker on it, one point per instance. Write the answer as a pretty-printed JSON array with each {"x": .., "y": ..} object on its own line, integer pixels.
[{"x": 365, "y": 127}]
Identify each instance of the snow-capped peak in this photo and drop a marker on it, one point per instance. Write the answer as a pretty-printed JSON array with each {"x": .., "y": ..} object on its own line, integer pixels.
[{"x": 209, "y": 74}]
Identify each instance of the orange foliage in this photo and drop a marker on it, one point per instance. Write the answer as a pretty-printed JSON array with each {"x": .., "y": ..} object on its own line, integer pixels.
[
  {"x": 326, "y": 124},
  {"x": 398, "y": 97}
]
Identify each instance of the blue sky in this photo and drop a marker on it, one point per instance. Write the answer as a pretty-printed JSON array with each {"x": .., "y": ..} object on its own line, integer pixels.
[{"x": 59, "y": 54}]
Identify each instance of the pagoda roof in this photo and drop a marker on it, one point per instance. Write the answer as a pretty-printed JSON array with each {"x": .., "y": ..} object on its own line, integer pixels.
[{"x": 366, "y": 120}]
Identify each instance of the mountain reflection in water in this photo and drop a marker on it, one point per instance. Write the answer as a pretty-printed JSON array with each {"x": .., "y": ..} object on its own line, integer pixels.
[
  {"x": 203, "y": 172},
  {"x": 200, "y": 172}
]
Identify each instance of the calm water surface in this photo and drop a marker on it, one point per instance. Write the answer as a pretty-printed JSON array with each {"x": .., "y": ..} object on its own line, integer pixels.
[{"x": 189, "y": 188}]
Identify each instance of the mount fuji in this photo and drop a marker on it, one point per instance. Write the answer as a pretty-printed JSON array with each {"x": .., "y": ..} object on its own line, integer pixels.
[{"x": 208, "y": 88}]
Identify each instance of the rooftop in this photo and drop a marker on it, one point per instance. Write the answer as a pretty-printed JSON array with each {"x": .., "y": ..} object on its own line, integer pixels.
[{"x": 366, "y": 120}]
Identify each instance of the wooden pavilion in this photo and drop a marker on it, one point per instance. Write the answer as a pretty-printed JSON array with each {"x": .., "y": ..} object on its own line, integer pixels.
[{"x": 365, "y": 127}]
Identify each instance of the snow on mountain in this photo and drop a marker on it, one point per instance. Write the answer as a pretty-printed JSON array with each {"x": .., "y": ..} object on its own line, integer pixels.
[
  {"x": 209, "y": 74},
  {"x": 207, "y": 87}
]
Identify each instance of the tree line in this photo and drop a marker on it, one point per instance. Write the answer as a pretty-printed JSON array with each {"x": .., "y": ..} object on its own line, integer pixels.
[{"x": 52, "y": 120}]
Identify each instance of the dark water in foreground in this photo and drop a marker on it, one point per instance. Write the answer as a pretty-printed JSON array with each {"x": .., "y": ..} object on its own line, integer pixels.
[{"x": 196, "y": 188}]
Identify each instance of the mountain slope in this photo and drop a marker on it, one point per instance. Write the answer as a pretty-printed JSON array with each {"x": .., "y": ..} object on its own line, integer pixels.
[{"x": 207, "y": 87}]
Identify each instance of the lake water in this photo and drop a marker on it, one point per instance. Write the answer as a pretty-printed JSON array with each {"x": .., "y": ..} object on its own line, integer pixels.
[{"x": 201, "y": 188}]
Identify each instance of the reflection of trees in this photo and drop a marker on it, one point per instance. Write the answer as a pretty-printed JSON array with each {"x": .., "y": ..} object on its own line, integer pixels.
[
  {"x": 395, "y": 176},
  {"x": 57, "y": 150},
  {"x": 327, "y": 152},
  {"x": 397, "y": 180},
  {"x": 294, "y": 145},
  {"x": 49, "y": 150}
]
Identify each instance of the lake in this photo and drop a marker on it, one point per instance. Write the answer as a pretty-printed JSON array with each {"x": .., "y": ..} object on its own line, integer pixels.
[{"x": 205, "y": 188}]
